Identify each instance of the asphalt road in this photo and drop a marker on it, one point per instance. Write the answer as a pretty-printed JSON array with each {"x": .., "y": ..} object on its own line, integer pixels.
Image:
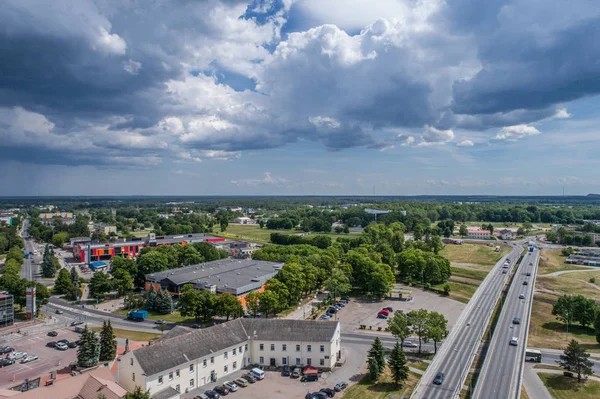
[
  {"x": 503, "y": 366},
  {"x": 30, "y": 267},
  {"x": 456, "y": 355}
]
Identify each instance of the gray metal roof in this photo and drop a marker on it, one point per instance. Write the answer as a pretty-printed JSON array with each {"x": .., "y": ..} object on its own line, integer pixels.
[
  {"x": 166, "y": 393},
  {"x": 184, "y": 348}
]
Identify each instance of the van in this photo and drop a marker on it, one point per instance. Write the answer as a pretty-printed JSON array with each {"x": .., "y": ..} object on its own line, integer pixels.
[
  {"x": 309, "y": 377},
  {"x": 258, "y": 373}
]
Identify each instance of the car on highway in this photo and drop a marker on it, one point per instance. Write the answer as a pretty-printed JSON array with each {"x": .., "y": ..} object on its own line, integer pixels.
[
  {"x": 530, "y": 263},
  {"x": 409, "y": 344},
  {"x": 340, "y": 386},
  {"x": 514, "y": 341},
  {"x": 528, "y": 274},
  {"x": 522, "y": 296},
  {"x": 439, "y": 378},
  {"x": 525, "y": 282},
  {"x": 517, "y": 320},
  {"x": 30, "y": 358},
  {"x": 504, "y": 271},
  {"x": 241, "y": 382}
]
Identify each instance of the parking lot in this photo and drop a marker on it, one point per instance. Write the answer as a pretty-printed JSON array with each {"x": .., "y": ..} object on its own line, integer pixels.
[
  {"x": 359, "y": 312},
  {"x": 49, "y": 359}
]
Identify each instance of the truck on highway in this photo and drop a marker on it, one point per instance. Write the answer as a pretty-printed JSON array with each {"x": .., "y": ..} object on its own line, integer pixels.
[
  {"x": 137, "y": 315},
  {"x": 531, "y": 248}
]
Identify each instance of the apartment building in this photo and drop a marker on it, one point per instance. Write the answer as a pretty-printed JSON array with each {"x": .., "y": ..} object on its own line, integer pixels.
[{"x": 479, "y": 234}]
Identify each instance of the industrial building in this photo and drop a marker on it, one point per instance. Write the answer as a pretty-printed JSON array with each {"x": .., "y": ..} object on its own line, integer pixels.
[
  {"x": 236, "y": 276},
  {"x": 7, "y": 309},
  {"x": 90, "y": 252}
]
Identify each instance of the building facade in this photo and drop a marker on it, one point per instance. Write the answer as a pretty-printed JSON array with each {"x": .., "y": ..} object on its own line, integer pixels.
[
  {"x": 186, "y": 359},
  {"x": 7, "y": 309},
  {"x": 506, "y": 234},
  {"x": 479, "y": 234}
]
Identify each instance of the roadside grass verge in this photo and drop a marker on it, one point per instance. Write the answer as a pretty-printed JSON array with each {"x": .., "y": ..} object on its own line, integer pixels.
[
  {"x": 474, "y": 254},
  {"x": 138, "y": 336},
  {"x": 474, "y": 274},
  {"x": 551, "y": 260},
  {"x": 253, "y": 232},
  {"x": 365, "y": 389},
  {"x": 561, "y": 387},
  {"x": 174, "y": 317},
  {"x": 458, "y": 292}
]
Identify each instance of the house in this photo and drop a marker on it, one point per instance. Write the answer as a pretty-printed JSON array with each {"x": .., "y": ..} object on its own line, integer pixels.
[
  {"x": 479, "y": 234},
  {"x": 507, "y": 234},
  {"x": 243, "y": 220},
  {"x": 104, "y": 229},
  {"x": 185, "y": 359}
]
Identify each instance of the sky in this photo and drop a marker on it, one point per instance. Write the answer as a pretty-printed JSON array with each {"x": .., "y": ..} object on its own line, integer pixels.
[{"x": 309, "y": 97}]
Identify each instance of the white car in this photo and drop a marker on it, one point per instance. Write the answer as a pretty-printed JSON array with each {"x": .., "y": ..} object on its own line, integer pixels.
[
  {"x": 522, "y": 296},
  {"x": 29, "y": 359},
  {"x": 514, "y": 341},
  {"x": 231, "y": 385},
  {"x": 17, "y": 355},
  {"x": 409, "y": 344},
  {"x": 61, "y": 346}
]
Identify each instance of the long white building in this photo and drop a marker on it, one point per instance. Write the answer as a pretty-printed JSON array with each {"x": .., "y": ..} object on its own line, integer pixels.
[{"x": 185, "y": 359}]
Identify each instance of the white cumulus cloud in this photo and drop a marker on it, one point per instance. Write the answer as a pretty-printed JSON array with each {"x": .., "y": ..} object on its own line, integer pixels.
[
  {"x": 433, "y": 136},
  {"x": 465, "y": 143},
  {"x": 516, "y": 132}
]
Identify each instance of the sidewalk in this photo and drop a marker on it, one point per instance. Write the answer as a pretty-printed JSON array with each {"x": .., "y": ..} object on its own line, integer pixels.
[{"x": 562, "y": 352}]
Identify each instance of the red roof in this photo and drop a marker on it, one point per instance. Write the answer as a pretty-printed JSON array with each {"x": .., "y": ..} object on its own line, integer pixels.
[{"x": 310, "y": 370}]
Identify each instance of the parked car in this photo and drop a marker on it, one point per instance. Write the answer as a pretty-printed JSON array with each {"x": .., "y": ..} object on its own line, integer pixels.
[
  {"x": 5, "y": 349},
  {"x": 72, "y": 345},
  {"x": 6, "y": 362},
  {"x": 439, "y": 378},
  {"x": 309, "y": 378},
  {"x": 340, "y": 386},
  {"x": 201, "y": 396},
  {"x": 522, "y": 296},
  {"x": 384, "y": 310},
  {"x": 389, "y": 308},
  {"x": 61, "y": 346},
  {"x": 286, "y": 371},
  {"x": 409, "y": 344},
  {"x": 212, "y": 394},
  {"x": 63, "y": 341},
  {"x": 232, "y": 386},
  {"x": 58, "y": 311},
  {"x": 16, "y": 355},
  {"x": 340, "y": 304},
  {"x": 76, "y": 323},
  {"x": 296, "y": 372},
  {"x": 320, "y": 395},
  {"x": 221, "y": 390},
  {"x": 241, "y": 382},
  {"x": 332, "y": 309},
  {"x": 382, "y": 316},
  {"x": 514, "y": 341},
  {"x": 325, "y": 317},
  {"x": 30, "y": 358},
  {"x": 330, "y": 392},
  {"x": 249, "y": 377},
  {"x": 52, "y": 334},
  {"x": 51, "y": 344}
]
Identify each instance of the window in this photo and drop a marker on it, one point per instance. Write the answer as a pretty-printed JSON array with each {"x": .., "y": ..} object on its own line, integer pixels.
[
  {"x": 297, "y": 361},
  {"x": 322, "y": 348},
  {"x": 240, "y": 348},
  {"x": 131, "y": 362},
  {"x": 160, "y": 379},
  {"x": 284, "y": 347},
  {"x": 297, "y": 348},
  {"x": 225, "y": 355},
  {"x": 272, "y": 347},
  {"x": 308, "y": 361},
  {"x": 204, "y": 363},
  {"x": 177, "y": 388},
  {"x": 246, "y": 348},
  {"x": 234, "y": 365},
  {"x": 133, "y": 376},
  {"x": 177, "y": 373},
  {"x": 322, "y": 362},
  {"x": 212, "y": 360},
  {"x": 192, "y": 382},
  {"x": 225, "y": 368},
  {"x": 171, "y": 376},
  {"x": 261, "y": 347},
  {"x": 283, "y": 361},
  {"x": 191, "y": 368},
  {"x": 234, "y": 352},
  {"x": 261, "y": 360},
  {"x": 309, "y": 348}
]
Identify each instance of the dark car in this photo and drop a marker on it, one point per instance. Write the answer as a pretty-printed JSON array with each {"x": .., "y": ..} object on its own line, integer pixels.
[
  {"x": 63, "y": 341},
  {"x": 332, "y": 309},
  {"x": 347, "y": 298},
  {"x": 382, "y": 316},
  {"x": 51, "y": 344},
  {"x": 286, "y": 371},
  {"x": 330, "y": 392},
  {"x": 52, "y": 334},
  {"x": 439, "y": 378},
  {"x": 320, "y": 395},
  {"x": 72, "y": 344},
  {"x": 389, "y": 308},
  {"x": 5, "y": 349},
  {"x": 76, "y": 323},
  {"x": 250, "y": 378},
  {"x": 221, "y": 390},
  {"x": 340, "y": 386},
  {"x": 58, "y": 311},
  {"x": 309, "y": 377},
  {"x": 525, "y": 282},
  {"x": 517, "y": 320},
  {"x": 6, "y": 362},
  {"x": 212, "y": 394},
  {"x": 195, "y": 326}
]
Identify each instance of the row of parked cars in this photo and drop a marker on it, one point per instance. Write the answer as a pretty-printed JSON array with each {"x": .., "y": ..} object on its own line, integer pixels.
[
  {"x": 325, "y": 393},
  {"x": 12, "y": 357},
  {"x": 332, "y": 310},
  {"x": 253, "y": 376},
  {"x": 385, "y": 313}
]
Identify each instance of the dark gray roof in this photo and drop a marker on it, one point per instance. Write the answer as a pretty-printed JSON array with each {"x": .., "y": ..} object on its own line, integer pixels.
[
  {"x": 183, "y": 347},
  {"x": 175, "y": 332},
  {"x": 166, "y": 393},
  {"x": 290, "y": 330}
]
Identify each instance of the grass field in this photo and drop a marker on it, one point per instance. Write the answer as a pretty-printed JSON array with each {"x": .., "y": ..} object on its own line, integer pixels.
[
  {"x": 561, "y": 387},
  {"x": 417, "y": 364},
  {"x": 365, "y": 389},
  {"x": 132, "y": 335},
  {"x": 459, "y": 292},
  {"x": 551, "y": 260},
  {"x": 174, "y": 317},
  {"x": 253, "y": 232},
  {"x": 474, "y": 254}
]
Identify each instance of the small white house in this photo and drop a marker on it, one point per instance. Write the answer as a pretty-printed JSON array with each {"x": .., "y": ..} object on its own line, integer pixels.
[
  {"x": 507, "y": 234},
  {"x": 242, "y": 220}
]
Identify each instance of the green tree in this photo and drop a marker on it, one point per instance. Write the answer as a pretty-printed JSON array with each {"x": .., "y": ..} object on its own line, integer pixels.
[
  {"x": 575, "y": 359},
  {"x": 281, "y": 295},
  {"x": 399, "y": 327},
  {"x": 447, "y": 289},
  {"x": 207, "y": 301},
  {"x": 337, "y": 283},
  {"x": 99, "y": 285},
  {"x": 74, "y": 276},
  {"x": 151, "y": 298},
  {"x": 88, "y": 349},
  {"x": 63, "y": 283},
  {"x": 585, "y": 310},
  {"x": 261, "y": 224},
  {"x": 376, "y": 353},
  {"x": 127, "y": 264},
  {"x": 189, "y": 302},
  {"x": 373, "y": 368},
  {"x": 253, "y": 302},
  {"x": 134, "y": 301},
  {"x": 150, "y": 262},
  {"x": 381, "y": 281},
  {"x": 397, "y": 364},
  {"x": 108, "y": 343},
  {"x": 59, "y": 239},
  {"x": 163, "y": 303},
  {"x": 269, "y": 302},
  {"x": 229, "y": 306},
  {"x": 520, "y": 231},
  {"x": 292, "y": 277},
  {"x": 17, "y": 254},
  {"x": 138, "y": 394},
  {"x": 122, "y": 281},
  {"x": 527, "y": 226},
  {"x": 436, "y": 328},
  {"x": 418, "y": 321},
  {"x": 597, "y": 327}
]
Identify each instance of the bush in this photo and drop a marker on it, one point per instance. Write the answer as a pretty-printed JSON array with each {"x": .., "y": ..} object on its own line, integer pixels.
[
  {"x": 593, "y": 280},
  {"x": 446, "y": 289}
]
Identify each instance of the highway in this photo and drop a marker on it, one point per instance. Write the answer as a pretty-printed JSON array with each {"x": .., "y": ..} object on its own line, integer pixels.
[
  {"x": 502, "y": 369},
  {"x": 456, "y": 355},
  {"x": 30, "y": 269}
]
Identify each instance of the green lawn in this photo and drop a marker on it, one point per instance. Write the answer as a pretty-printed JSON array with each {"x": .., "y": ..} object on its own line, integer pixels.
[
  {"x": 551, "y": 260},
  {"x": 474, "y": 274},
  {"x": 365, "y": 389},
  {"x": 253, "y": 232},
  {"x": 132, "y": 335},
  {"x": 459, "y": 292},
  {"x": 561, "y": 387},
  {"x": 474, "y": 254},
  {"x": 174, "y": 317}
]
